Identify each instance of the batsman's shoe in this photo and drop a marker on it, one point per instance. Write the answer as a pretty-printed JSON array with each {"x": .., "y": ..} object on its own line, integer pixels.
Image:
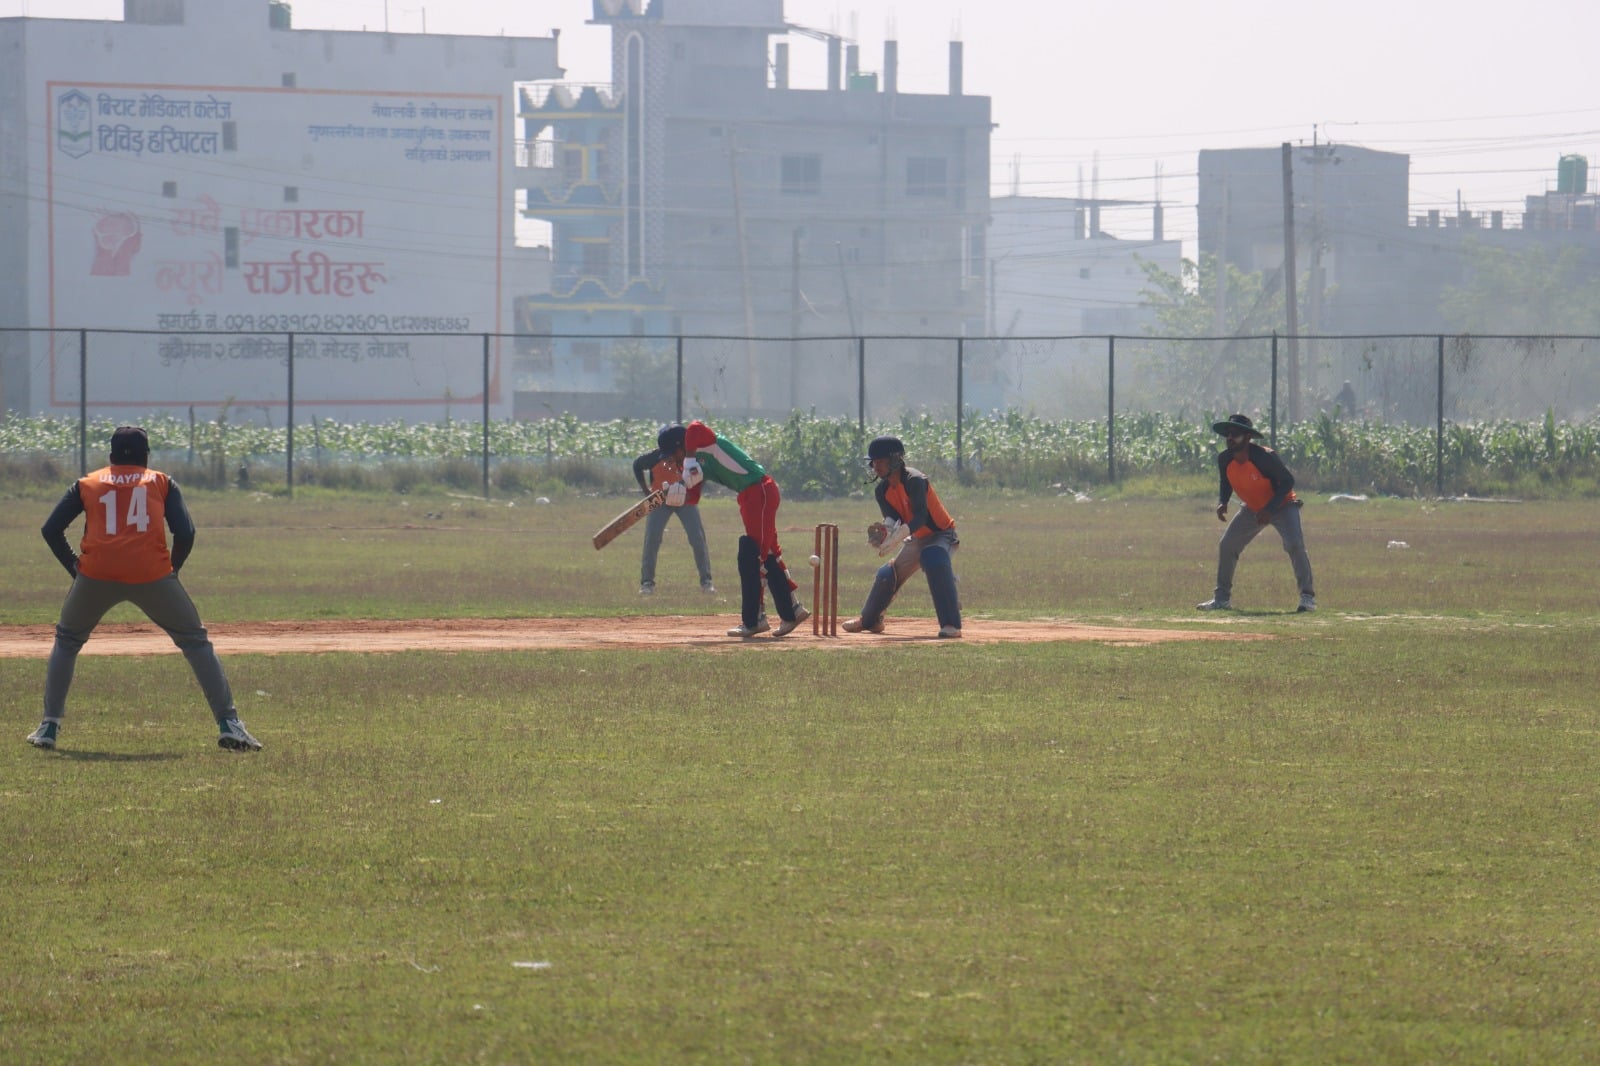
[
  {"x": 950, "y": 632},
  {"x": 742, "y": 630},
  {"x": 1215, "y": 605},
  {"x": 1308, "y": 602},
  {"x": 647, "y": 589},
  {"x": 708, "y": 588},
  {"x": 235, "y": 737},
  {"x": 788, "y": 626},
  {"x": 855, "y": 625},
  {"x": 44, "y": 736}
]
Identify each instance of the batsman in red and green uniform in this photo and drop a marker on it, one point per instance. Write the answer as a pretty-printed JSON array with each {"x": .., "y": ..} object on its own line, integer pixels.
[
  {"x": 1266, "y": 491},
  {"x": 705, "y": 455}
]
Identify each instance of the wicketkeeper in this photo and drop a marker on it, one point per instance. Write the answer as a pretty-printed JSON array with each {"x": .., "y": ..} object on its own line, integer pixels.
[
  {"x": 920, "y": 533},
  {"x": 705, "y": 456}
]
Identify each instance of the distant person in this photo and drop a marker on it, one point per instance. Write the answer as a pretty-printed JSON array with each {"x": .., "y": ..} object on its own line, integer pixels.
[
  {"x": 1346, "y": 402},
  {"x": 704, "y": 455},
  {"x": 127, "y": 509},
  {"x": 1266, "y": 496},
  {"x": 653, "y": 471}
]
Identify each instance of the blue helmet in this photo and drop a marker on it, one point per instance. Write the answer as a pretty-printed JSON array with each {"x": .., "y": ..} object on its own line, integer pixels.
[
  {"x": 885, "y": 448},
  {"x": 670, "y": 438}
]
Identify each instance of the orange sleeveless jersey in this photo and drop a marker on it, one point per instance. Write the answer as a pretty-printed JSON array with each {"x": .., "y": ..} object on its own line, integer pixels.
[
  {"x": 665, "y": 472},
  {"x": 124, "y": 525},
  {"x": 900, "y": 500},
  {"x": 1251, "y": 487}
]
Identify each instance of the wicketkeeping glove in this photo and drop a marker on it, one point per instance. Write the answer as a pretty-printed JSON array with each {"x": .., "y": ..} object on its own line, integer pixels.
[
  {"x": 692, "y": 474},
  {"x": 885, "y": 537}
]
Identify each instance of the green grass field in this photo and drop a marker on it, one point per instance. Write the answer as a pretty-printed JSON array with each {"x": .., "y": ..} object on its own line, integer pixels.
[{"x": 1372, "y": 838}]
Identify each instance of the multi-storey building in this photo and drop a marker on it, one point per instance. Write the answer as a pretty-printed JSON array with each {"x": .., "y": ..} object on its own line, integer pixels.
[
  {"x": 704, "y": 193},
  {"x": 206, "y": 175}
]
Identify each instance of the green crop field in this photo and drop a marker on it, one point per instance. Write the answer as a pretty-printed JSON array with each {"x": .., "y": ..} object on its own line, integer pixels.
[{"x": 1370, "y": 838}]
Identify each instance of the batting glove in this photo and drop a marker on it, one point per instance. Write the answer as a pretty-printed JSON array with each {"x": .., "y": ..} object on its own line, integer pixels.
[{"x": 677, "y": 494}]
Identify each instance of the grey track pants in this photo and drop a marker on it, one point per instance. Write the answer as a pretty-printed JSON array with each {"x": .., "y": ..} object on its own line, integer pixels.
[
  {"x": 1242, "y": 529},
  {"x": 166, "y": 603}
]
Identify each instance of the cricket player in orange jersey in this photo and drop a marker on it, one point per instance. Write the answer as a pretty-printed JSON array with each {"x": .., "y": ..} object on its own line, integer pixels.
[
  {"x": 123, "y": 558},
  {"x": 1266, "y": 493},
  {"x": 920, "y": 532}
]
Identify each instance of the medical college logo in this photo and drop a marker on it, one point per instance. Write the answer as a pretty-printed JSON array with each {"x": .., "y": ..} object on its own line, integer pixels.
[{"x": 73, "y": 124}]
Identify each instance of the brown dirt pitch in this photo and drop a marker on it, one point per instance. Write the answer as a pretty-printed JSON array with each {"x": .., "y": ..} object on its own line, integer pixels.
[{"x": 512, "y": 634}]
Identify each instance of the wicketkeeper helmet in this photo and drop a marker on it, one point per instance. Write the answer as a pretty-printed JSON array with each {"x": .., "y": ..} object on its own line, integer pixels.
[
  {"x": 670, "y": 439},
  {"x": 885, "y": 448}
]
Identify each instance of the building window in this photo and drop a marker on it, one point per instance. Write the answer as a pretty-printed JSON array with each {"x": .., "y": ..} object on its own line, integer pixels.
[
  {"x": 169, "y": 189},
  {"x": 230, "y": 136},
  {"x": 533, "y": 337},
  {"x": 802, "y": 175},
  {"x": 925, "y": 176},
  {"x": 230, "y": 247},
  {"x": 595, "y": 260},
  {"x": 291, "y": 194},
  {"x": 1083, "y": 272},
  {"x": 588, "y": 353},
  {"x": 572, "y": 164},
  {"x": 288, "y": 81}
]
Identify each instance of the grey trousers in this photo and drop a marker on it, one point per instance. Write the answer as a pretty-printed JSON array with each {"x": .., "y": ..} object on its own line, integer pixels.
[
  {"x": 166, "y": 603},
  {"x": 655, "y": 524},
  {"x": 1243, "y": 529}
]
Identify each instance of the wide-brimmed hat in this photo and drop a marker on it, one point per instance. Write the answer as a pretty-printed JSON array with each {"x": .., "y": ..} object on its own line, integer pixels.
[{"x": 1236, "y": 422}]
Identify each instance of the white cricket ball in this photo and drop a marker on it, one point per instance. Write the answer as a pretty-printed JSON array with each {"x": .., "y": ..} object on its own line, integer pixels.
[{"x": 816, "y": 560}]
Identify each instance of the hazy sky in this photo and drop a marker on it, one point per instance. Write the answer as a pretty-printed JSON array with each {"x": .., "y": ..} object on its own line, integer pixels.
[{"x": 1484, "y": 95}]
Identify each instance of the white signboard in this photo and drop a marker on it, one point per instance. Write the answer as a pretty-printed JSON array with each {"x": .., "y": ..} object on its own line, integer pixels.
[{"x": 220, "y": 220}]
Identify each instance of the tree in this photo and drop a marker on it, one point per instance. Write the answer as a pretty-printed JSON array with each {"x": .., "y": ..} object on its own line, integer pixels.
[
  {"x": 1187, "y": 305},
  {"x": 1523, "y": 292}
]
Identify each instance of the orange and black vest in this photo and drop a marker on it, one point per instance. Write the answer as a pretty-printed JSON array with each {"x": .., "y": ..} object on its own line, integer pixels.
[{"x": 124, "y": 525}]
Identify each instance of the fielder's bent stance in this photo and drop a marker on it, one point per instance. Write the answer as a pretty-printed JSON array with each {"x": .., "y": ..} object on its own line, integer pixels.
[
  {"x": 1266, "y": 494},
  {"x": 912, "y": 511},
  {"x": 704, "y": 456},
  {"x": 127, "y": 510}
]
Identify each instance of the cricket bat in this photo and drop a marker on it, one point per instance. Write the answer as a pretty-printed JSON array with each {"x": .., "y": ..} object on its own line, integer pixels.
[{"x": 620, "y": 524}]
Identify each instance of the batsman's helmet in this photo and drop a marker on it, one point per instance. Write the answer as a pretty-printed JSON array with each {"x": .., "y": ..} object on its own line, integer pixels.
[
  {"x": 885, "y": 448},
  {"x": 670, "y": 438}
]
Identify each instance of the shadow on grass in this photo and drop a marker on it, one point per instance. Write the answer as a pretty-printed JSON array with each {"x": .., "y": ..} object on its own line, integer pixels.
[{"x": 116, "y": 756}]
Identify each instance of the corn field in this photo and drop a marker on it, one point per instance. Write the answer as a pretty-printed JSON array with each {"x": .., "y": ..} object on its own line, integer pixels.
[{"x": 819, "y": 457}]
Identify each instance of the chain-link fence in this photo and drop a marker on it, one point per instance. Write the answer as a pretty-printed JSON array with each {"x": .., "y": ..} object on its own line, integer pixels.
[{"x": 297, "y": 381}]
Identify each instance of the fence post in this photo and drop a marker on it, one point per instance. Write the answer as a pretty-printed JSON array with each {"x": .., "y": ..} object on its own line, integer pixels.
[
  {"x": 1111, "y": 409},
  {"x": 83, "y": 402},
  {"x": 1272, "y": 404},
  {"x": 486, "y": 416},
  {"x": 961, "y": 354},
  {"x": 288, "y": 429},
  {"x": 861, "y": 384},
  {"x": 677, "y": 415},
  {"x": 1438, "y": 428}
]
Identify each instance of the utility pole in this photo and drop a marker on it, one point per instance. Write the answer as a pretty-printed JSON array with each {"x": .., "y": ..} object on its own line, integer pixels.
[
  {"x": 1314, "y": 275},
  {"x": 1290, "y": 300},
  {"x": 794, "y": 317},
  {"x": 753, "y": 391}
]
